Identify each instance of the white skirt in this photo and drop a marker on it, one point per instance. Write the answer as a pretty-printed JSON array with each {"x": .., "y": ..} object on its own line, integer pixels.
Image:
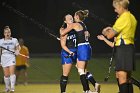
[{"x": 8, "y": 60}]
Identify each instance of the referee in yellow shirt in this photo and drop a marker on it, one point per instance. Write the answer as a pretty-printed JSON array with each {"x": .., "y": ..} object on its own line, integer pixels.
[
  {"x": 124, "y": 31},
  {"x": 22, "y": 62}
]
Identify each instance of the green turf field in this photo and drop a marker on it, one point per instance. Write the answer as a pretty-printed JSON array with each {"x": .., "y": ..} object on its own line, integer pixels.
[
  {"x": 49, "y": 70},
  {"x": 71, "y": 88},
  {"x": 44, "y": 74}
]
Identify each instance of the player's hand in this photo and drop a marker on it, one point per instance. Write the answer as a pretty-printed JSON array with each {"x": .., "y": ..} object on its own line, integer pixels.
[
  {"x": 87, "y": 34},
  {"x": 16, "y": 52},
  {"x": 71, "y": 54},
  {"x": 61, "y": 29},
  {"x": 101, "y": 37}
]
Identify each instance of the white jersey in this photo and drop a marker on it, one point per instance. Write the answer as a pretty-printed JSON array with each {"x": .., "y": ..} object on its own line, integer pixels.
[{"x": 8, "y": 58}]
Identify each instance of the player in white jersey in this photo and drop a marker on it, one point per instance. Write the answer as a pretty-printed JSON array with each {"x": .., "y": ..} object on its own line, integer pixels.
[{"x": 8, "y": 60}]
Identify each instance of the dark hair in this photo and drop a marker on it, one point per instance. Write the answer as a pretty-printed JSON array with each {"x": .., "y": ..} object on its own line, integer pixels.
[
  {"x": 21, "y": 40},
  {"x": 64, "y": 25},
  {"x": 82, "y": 14},
  {"x": 7, "y": 28}
]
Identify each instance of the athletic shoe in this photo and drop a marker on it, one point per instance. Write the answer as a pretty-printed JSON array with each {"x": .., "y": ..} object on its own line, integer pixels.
[
  {"x": 7, "y": 90},
  {"x": 97, "y": 87},
  {"x": 12, "y": 91},
  {"x": 89, "y": 92}
]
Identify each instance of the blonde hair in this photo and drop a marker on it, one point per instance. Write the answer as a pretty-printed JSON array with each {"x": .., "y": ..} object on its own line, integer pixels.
[
  {"x": 123, "y": 3},
  {"x": 82, "y": 14}
]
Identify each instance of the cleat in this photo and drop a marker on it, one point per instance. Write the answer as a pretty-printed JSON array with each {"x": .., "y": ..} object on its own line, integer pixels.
[
  {"x": 89, "y": 92},
  {"x": 12, "y": 91},
  {"x": 7, "y": 90},
  {"x": 97, "y": 87}
]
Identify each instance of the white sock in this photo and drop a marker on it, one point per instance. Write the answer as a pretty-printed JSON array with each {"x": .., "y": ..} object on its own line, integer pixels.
[
  {"x": 7, "y": 82},
  {"x": 13, "y": 81}
]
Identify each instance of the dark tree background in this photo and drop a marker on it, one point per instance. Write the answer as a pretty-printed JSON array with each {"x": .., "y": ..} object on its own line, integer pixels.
[{"x": 50, "y": 13}]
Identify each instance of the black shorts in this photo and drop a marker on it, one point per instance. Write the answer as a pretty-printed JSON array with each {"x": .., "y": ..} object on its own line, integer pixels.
[
  {"x": 125, "y": 58},
  {"x": 22, "y": 67}
]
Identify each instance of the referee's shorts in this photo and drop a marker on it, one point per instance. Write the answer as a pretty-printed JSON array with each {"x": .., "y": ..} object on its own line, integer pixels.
[{"x": 124, "y": 58}]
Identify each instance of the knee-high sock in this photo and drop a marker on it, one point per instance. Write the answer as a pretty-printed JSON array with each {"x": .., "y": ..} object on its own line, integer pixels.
[
  {"x": 84, "y": 82},
  {"x": 7, "y": 82},
  {"x": 13, "y": 81},
  {"x": 63, "y": 83},
  {"x": 89, "y": 76},
  {"x": 130, "y": 86},
  {"x": 124, "y": 88}
]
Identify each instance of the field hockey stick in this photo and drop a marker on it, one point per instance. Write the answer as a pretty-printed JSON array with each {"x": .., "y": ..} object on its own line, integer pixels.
[
  {"x": 70, "y": 55},
  {"x": 110, "y": 64},
  {"x": 54, "y": 36},
  {"x": 41, "y": 26},
  {"x": 109, "y": 69},
  {"x": 14, "y": 52}
]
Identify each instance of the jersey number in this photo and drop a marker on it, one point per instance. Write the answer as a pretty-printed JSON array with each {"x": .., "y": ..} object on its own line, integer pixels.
[{"x": 74, "y": 40}]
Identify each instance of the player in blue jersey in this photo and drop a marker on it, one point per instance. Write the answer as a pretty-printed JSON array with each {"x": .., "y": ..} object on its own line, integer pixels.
[
  {"x": 68, "y": 53},
  {"x": 83, "y": 48}
]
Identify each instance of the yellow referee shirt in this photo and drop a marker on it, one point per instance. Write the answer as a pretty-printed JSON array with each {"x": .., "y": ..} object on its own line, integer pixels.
[
  {"x": 20, "y": 60},
  {"x": 125, "y": 26}
]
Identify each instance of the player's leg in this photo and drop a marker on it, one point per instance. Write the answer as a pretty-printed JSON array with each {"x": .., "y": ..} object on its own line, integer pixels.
[
  {"x": 84, "y": 53},
  {"x": 18, "y": 70},
  {"x": 25, "y": 73},
  {"x": 64, "y": 77},
  {"x": 117, "y": 78},
  {"x": 81, "y": 70},
  {"x": 7, "y": 78},
  {"x": 90, "y": 77},
  {"x": 66, "y": 67},
  {"x": 12, "y": 77},
  {"x": 122, "y": 76}
]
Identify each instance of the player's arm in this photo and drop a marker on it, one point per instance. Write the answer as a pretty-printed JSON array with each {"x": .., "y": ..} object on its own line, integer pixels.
[
  {"x": 101, "y": 37},
  {"x": 87, "y": 35},
  {"x": 17, "y": 49},
  {"x": 64, "y": 31},
  {"x": 0, "y": 50},
  {"x": 27, "y": 63},
  {"x": 63, "y": 44},
  {"x": 109, "y": 32}
]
